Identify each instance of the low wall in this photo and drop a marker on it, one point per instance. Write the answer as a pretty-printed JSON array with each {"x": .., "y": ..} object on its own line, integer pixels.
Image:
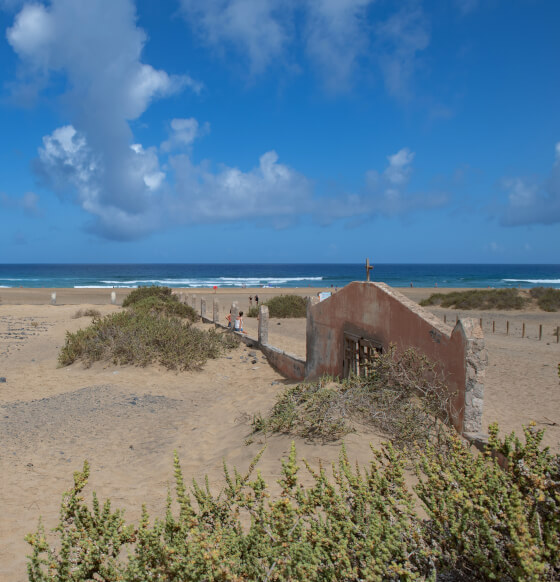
[
  {"x": 378, "y": 312},
  {"x": 286, "y": 364}
]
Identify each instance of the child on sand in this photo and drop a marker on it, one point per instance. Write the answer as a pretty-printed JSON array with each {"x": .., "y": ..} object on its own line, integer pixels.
[{"x": 239, "y": 322}]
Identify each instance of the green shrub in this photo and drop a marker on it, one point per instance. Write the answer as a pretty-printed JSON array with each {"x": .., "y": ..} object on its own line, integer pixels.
[
  {"x": 253, "y": 312},
  {"x": 287, "y": 306},
  {"x": 483, "y": 523},
  {"x": 360, "y": 525},
  {"x": 499, "y": 524},
  {"x": 548, "y": 299},
  {"x": 402, "y": 395},
  {"x": 478, "y": 299},
  {"x": 142, "y": 338},
  {"x": 143, "y": 292},
  {"x": 167, "y": 305}
]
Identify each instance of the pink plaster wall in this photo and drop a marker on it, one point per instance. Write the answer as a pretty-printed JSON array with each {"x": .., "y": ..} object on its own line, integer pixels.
[{"x": 377, "y": 311}]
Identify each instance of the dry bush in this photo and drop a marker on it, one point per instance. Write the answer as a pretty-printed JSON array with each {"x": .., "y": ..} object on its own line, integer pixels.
[
  {"x": 403, "y": 395},
  {"x": 478, "y": 299},
  {"x": 86, "y": 313},
  {"x": 129, "y": 337}
]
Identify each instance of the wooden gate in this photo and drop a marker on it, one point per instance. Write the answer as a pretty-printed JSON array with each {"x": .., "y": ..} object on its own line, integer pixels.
[{"x": 359, "y": 354}]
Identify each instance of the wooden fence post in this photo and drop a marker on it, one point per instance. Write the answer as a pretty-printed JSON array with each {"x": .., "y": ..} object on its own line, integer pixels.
[
  {"x": 540, "y": 331},
  {"x": 523, "y": 330},
  {"x": 507, "y": 327},
  {"x": 493, "y": 327}
]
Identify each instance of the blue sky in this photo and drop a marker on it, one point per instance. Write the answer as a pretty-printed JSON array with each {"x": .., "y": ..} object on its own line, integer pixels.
[{"x": 280, "y": 131}]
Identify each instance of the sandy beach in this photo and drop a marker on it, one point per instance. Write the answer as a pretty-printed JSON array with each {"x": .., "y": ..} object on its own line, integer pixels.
[{"x": 127, "y": 421}]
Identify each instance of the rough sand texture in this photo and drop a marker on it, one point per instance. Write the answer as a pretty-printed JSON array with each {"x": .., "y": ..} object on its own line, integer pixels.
[{"x": 127, "y": 421}]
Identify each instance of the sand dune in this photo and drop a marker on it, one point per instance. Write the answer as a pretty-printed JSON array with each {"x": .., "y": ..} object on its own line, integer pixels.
[{"x": 127, "y": 421}]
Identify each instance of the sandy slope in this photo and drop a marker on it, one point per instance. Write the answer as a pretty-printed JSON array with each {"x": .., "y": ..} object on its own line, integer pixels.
[{"x": 127, "y": 421}]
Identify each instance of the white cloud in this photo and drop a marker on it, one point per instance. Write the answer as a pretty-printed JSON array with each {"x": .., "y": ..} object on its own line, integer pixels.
[
  {"x": 183, "y": 132},
  {"x": 384, "y": 194},
  {"x": 531, "y": 202},
  {"x": 258, "y": 28},
  {"x": 401, "y": 37},
  {"x": 336, "y": 35},
  {"x": 270, "y": 190},
  {"x": 398, "y": 171},
  {"x": 97, "y": 46},
  {"x": 131, "y": 190}
]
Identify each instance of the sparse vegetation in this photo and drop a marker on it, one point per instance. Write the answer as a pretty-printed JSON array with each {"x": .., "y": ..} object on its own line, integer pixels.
[
  {"x": 403, "y": 396},
  {"x": 478, "y": 299},
  {"x": 548, "y": 299},
  {"x": 283, "y": 306},
  {"x": 87, "y": 313},
  {"x": 143, "y": 292},
  {"x": 152, "y": 330},
  {"x": 253, "y": 312},
  {"x": 484, "y": 523}
]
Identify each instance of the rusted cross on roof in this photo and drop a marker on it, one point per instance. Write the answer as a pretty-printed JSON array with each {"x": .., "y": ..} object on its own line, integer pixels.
[{"x": 368, "y": 269}]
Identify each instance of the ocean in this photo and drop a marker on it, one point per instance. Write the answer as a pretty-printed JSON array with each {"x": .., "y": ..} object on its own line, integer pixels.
[{"x": 275, "y": 275}]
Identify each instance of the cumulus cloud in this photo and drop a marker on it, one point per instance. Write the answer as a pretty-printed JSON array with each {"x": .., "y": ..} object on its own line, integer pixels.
[
  {"x": 97, "y": 47},
  {"x": 130, "y": 189},
  {"x": 532, "y": 202},
  {"x": 183, "y": 132},
  {"x": 271, "y": 190},
  {"x": 384, "y": 194}
]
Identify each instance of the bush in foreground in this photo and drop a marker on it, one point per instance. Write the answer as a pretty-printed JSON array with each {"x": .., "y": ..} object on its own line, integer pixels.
[
  {"x": 484, "y": 523},
  {"x": 478, "y": 299},
  {"x": 142, "y": 338}
]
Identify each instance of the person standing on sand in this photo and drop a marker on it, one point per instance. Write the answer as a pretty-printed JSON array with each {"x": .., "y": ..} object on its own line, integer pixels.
[
  {"x": 250, "y": 301},
  {"x": 257, "y": 300}
]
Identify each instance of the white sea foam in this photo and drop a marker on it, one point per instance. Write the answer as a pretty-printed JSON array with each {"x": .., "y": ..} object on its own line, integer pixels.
[
  {"x": 104, "y": 286},
  {"x": 535, "y": 281},
  {"x": 218, "y": 281}
]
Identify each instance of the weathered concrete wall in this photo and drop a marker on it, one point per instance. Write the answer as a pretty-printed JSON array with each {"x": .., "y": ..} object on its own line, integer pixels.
[
  {"x": 376, "y": 311},
  {"x": 288, "y": 365}
]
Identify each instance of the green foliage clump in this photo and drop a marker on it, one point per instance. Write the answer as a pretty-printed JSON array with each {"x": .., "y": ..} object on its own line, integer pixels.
[
  {"x": 143, "y": 292},
  {"x": 402, "y": 394},
  {"x": 87, "y": 313},
  {"x": 499, "y": 524},
  {"x": 283, "y": 306},
  {"x": 167, "y": 305},
  {"x": 478, "y": 299},
  {"x": 548, "y": 299},
  {"x": 142, "y": 338},
  {"x": 483, "y": 523},
  {"x": 253, "y": 312},
  {"x": 360, "y": 525}
]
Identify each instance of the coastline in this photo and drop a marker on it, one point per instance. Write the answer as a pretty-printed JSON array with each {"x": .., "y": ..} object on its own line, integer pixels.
[{"x": 102, "y": 296}]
